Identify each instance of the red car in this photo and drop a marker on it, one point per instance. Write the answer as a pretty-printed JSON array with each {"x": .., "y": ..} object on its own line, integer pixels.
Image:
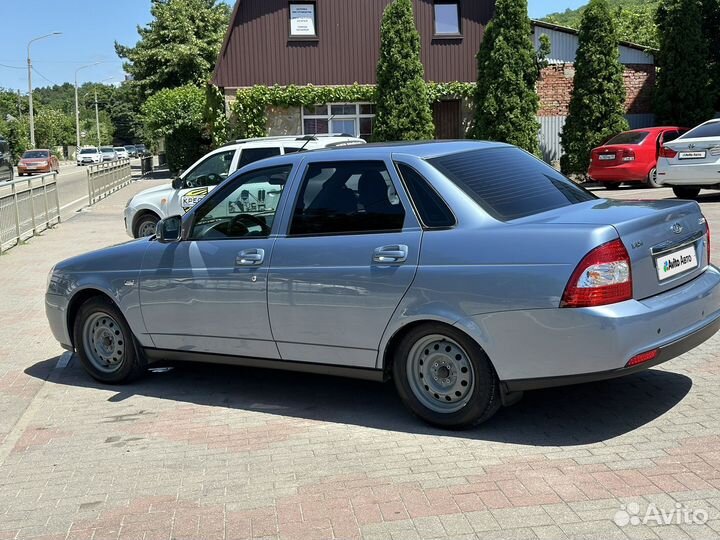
[
  {"x": 631, "y": 156},
  {"x": 38, "y": 161}
]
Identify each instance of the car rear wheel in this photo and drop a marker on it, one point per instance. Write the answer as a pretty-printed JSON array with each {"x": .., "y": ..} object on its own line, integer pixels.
[
  {"x": 682, "y": 192},
  {"x": 445, "y": 378},
  {"x": 652, "y": 179},
  {"x": 146, "y": 225},
  {"x": 105, "y": 343}
]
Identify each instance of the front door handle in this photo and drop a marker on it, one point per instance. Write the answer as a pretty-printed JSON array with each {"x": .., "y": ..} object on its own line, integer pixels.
[
  {"x": 250, "y": 257},
  {"x": 394, "y": 254}
]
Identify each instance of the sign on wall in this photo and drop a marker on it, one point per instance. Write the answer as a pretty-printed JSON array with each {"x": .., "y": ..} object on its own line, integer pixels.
[{"x": 302, "y": 20}]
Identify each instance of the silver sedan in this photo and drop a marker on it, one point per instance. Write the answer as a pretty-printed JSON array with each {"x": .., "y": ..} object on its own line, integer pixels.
[{"x": 467, "y": 272}]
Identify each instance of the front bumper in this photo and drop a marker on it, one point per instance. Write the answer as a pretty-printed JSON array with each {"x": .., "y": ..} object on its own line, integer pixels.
[
  {"x": 128, "y": 216},
  {"x": 532, "y": 348},
  {"x": 56, "y": 312},
  {"x": 25, "y": 169}
]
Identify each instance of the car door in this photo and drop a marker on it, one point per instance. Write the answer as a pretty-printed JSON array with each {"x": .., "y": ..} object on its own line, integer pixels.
[
  {"x": 200, "y": 179},
  {"x": 208, "y": 292},
  {"x": 349, "y": 255}
]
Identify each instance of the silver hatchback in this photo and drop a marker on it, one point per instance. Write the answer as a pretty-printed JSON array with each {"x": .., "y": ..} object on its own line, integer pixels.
[{"x": 467, "y": 272}]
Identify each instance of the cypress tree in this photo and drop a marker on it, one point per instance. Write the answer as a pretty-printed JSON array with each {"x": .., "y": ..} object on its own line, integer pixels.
[
  {"x": 683, "y": 95},
  {"x": 597, "y": 105},
  {"x": 506, "y": 101},
  {"x": 711, "y": 28},
  {"x": 403, "y": 108}
]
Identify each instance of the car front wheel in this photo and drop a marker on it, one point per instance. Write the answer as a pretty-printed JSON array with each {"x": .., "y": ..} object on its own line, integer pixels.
[
  {"x": 445, "y": 378},
  {"x": 682, "y": 192},
  {"x": 146, "y": 226}
]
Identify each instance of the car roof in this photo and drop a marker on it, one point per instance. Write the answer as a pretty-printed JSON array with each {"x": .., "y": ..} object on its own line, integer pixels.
[
  {"x": 421, "y": 149},
  {"x": 296, "y": 140}
]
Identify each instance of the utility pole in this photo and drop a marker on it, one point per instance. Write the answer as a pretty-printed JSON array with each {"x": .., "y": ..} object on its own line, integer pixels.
[
  {"x": 19, "y": 105},
  {"x": 77, "y": 109},
  {"x": 97, "y": 118},
  {"x": 30, "y": 96}
]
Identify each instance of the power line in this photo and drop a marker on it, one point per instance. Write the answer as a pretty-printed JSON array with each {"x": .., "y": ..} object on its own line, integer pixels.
[
  {"x": 11, "y": 67},
  {"x": 44, "y": 77}
]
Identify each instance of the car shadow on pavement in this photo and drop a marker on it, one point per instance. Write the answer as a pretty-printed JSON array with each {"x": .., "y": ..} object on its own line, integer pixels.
[{"x": 566, "y": 416}]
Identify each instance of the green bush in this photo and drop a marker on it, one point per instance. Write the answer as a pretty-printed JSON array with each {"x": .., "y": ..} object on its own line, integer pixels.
[
  {"x": 597, "y": 105},
  {"x": 506, "y": 102},
  {"x": 402, "y": 107}
]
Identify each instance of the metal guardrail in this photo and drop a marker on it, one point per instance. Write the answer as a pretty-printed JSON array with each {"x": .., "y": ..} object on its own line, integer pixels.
[
  {"x": 27, "y": 207},
  {"x": 106, "y": 178}
]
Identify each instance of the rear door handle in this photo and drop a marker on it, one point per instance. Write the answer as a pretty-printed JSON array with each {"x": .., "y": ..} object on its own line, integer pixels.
[
  {"x": 250, "y": 257},
  {"x": 393, "y": 254}
]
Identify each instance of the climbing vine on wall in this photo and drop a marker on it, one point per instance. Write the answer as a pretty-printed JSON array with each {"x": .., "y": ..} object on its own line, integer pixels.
[{"x": 250, "y": 107}]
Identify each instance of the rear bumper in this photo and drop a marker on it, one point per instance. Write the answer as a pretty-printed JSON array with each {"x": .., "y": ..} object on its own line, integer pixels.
[
  {"x": 625, "y": 172},
  {"x": 688, "y": 174},
  {"x": 666, "y": 352},
  {"x": 550, "y": 347}
]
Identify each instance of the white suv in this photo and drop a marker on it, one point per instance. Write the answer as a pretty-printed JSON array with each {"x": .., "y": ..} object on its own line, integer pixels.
[
  {"x": 89, "y": 156},
  {"x": 146, "y": 208}
]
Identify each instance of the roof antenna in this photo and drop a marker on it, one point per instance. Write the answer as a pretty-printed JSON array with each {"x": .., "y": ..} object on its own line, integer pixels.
[{"x": 311, "y": 137}]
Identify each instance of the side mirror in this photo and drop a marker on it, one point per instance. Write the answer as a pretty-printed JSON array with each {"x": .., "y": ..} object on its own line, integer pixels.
[
  {"x": 168, "y": 230},
  {"x": 177, "y": 182}
]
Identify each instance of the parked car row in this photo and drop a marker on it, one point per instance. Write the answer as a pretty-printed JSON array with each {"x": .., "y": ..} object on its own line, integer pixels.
[
  {"x": 687, "y": 160},
  {"x": 91, "y": 155}
]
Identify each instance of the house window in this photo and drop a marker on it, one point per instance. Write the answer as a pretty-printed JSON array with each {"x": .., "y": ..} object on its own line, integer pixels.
[
  {"x": 303, "y": 21},
  {"x": 447, "y": 18},
  {"x": 356, "y": 119}
]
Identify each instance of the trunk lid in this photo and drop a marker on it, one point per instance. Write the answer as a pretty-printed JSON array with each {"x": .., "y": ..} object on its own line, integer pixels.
[
  {"x": 659, "y": 237},
  {"x": 611, "y": 155},
  {"x": 694, "y": 151}
]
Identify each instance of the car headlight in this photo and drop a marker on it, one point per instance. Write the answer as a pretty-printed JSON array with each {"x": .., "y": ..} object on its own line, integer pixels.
[{"x": 49, "y": 278}]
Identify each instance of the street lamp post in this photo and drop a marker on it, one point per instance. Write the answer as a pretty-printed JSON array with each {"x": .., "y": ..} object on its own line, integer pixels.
[
  {"x": 29, "y": 63},
  {"x": 77, "y": 110}
]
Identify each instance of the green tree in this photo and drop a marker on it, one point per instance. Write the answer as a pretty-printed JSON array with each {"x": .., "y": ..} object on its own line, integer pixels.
[
  {"x": 683, "y": 95},
  {"x": 179, "y": 46},
  {"x": 403, "y": 109},
  {"x": 597, "y": 105},
  {"x": 177, "y": 116},
  {"x": 506, "y": 102},
  {"x": 53, "y": 128},
  {"x": 711, "y": 29}
]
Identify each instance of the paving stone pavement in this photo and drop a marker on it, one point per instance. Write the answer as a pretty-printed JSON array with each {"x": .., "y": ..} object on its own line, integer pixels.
[{"x": 232, "y": 453}]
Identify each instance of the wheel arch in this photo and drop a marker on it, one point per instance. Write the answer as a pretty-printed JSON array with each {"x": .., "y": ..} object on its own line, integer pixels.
[
  {"x": 77, "y": 300},
  {"x": 142, "y": 212}
]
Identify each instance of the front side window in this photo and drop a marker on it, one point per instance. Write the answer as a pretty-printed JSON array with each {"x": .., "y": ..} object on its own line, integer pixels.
[
  {"x": 251, "y": 155},
  {"x": 303, "y": 23},
  {"x": 447, "y": 18},
  {"x": 245, "y": 208},
  {"x": 355, "y": 119},
  {"x": 508, "y": 183},
  {"x": 212, "y": 171},
  {"x": 347, "y": 197}
]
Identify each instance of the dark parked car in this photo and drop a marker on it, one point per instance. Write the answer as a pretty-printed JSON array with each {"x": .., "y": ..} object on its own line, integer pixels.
[
  {"x": 6, "y": 167},
  {"x": 141, "y": 150}
]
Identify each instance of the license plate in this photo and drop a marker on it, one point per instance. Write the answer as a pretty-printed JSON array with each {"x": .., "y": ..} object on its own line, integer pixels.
[
  {"x": 607, "y": 157},
  {"x": 692, "y": 155},
  {"x": 676, "y": 263}
]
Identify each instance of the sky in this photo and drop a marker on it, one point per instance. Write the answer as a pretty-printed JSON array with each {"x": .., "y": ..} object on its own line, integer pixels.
[{"x": 89, "y": 29}]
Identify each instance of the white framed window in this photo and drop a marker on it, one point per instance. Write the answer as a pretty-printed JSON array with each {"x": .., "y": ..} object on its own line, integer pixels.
[
  {"x": 303, "y": 20},
  {"x": 356, "y": 119}
]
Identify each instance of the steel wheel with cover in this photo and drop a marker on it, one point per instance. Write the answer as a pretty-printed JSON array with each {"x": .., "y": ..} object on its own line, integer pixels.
[
  {"x": 682, "y": 192},
  {"x": 445, "y": 378},
  {"x": 146, "y": 225},
  {"x": 105, "y": 343},
  {"x": 652, "y": 179}
]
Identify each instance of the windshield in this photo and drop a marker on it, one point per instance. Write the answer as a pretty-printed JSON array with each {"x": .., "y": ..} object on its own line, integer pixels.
[
  {"x": 629, "y": 137},
  {"x": 508, "y": 183},
  {"x": 34, "y": 154},
  {"x": 88, "y": 151}
]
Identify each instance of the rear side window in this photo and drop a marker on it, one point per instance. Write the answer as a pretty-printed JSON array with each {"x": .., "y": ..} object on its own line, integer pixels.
[
  {"x": 432, "y": 210},
  {"x": 711, "y": 129},
  {"x": 629, "y": 137},
  {"x": 509, "y": 183},
  {"x": 251, "y": 155}
]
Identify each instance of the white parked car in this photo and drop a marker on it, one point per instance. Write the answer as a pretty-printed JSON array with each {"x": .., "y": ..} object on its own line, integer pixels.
[
  {"x": 692, "y": 162},
  {"x": 108, "y": 153},
  {"x": 89, "y": 156},
  {"x": 146, "y": 208},
  {"x": 121, "y": 152}
]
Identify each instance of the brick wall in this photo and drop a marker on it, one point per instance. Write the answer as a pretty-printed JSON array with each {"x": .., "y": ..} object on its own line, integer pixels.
[{"x": 556, "y": 84}]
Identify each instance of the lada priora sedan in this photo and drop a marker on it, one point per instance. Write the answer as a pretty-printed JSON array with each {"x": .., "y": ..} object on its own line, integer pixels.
[{"x": 467, "y": 272}]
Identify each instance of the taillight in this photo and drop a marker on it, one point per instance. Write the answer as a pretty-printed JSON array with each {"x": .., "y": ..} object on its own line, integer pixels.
[
  {"x": 603, "y": 277},
  {"x": 667, "y": 152},
  {"x": 627, "y": 155}
]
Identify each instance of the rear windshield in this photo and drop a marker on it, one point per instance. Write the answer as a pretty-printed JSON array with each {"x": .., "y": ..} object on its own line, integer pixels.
[
  {"x": 711, "y": 129},
  {"x": 32, "y": 154},
  {"x": 629, "y": 137},
  {"x": 509, "y": 183}
]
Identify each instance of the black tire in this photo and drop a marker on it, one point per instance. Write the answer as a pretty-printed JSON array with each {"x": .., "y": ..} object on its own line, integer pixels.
[
  {"x": 652, "y": 179},
  {"x": 146, "y": 220},
  {"x": 689, "y": 192},
  {"x": 484, "y": 400},
  {"x": 131, "y": 366},
  {"x": 612, "y": 186}
]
